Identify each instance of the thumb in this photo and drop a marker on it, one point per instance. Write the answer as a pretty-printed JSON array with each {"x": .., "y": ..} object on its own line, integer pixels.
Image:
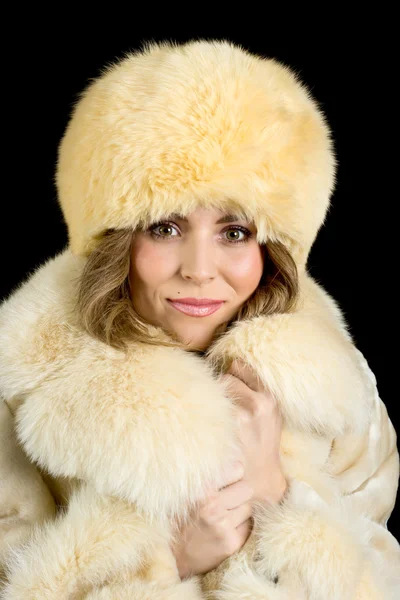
[{"x": 246, "y": 374}]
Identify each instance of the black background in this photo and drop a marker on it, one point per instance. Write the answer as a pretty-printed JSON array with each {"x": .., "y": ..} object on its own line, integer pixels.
[{"x": 349, "y": 64}]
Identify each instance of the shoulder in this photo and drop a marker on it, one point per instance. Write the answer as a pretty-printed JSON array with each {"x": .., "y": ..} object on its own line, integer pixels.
[
  {"x": 51, "y": 286},
  {"x": 315, "y": 300},
  {"x": 38, "y": 323}
]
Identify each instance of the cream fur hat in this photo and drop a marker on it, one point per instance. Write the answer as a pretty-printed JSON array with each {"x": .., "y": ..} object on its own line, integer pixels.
[{"x": 172, "y": 127}]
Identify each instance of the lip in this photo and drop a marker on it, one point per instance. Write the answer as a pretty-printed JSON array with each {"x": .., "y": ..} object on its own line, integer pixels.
[
  {"x": 196, "y": 301},
  {"x": 202, "y": 308}
]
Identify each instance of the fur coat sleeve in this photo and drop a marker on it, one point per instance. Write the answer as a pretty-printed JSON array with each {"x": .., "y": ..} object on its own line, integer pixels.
[{"x": 148, "y": 433}]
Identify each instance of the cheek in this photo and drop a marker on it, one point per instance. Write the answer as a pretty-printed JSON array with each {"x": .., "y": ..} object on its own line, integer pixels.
[
  {"x": 150, "y": 264},
  {"x": 247, "y": 269}
]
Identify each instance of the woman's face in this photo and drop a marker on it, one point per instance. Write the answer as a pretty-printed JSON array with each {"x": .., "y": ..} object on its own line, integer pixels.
[{"x": 209, "y": 257}]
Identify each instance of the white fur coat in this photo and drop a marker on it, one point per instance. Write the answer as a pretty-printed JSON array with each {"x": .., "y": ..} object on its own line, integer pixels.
[{"x": 127, "y": 443}]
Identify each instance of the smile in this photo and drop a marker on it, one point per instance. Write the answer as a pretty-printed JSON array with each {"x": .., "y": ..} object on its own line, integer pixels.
[{"x": 196, "y": 310}]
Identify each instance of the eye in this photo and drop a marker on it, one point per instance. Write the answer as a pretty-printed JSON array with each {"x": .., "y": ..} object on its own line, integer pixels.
[
  {"x": 234, "y": 233},
  {"x": 164, "y": 230}
]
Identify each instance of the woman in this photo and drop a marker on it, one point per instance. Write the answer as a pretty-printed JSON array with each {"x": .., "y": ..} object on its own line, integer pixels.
[{"x": 135, "y": 403}]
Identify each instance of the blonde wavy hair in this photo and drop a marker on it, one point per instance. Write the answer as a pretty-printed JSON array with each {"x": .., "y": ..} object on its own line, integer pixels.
[{"x": 104, "y": 298}]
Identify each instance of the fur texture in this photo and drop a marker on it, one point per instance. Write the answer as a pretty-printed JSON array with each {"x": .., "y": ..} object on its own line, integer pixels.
[
  {"x": 133, "y": 441},
  {"x": 150, "y": 432}
]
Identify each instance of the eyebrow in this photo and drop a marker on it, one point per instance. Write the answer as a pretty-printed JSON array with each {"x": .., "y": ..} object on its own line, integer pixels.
[{"x": 225, "y": 219}]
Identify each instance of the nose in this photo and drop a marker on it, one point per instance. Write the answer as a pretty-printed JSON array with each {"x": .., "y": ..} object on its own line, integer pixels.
[{"x": 199, "y": 262}]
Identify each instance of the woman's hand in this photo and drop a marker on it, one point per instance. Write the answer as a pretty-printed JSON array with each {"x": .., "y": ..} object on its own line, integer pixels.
[
  {"x": 223, "y": 524},
  {"x": 218, "y": 529},
  {"x": 260, "y": 427}
]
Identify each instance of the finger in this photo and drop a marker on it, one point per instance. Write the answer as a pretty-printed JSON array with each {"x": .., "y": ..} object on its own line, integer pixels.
[
  {"x": 239, "y": 515},
  {"x": 238, "y": 537},
  {"x": 233, "y": 473},
  {"x": 244, "y": 530},
  {"x": 235, "y": 494},
  {"x": 243, "y": 396},
  {"x": 246, "y": 374},
  {"x": 235, "y": 385}
]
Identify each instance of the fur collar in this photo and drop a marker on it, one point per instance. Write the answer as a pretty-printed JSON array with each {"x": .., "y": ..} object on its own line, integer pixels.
[
  {"x": 307, "y": 359},
  {"x": 155, "y": 412}
]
